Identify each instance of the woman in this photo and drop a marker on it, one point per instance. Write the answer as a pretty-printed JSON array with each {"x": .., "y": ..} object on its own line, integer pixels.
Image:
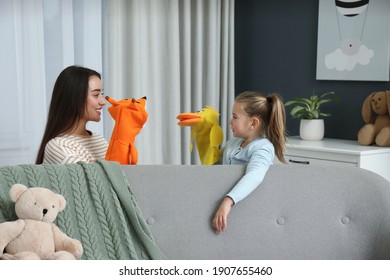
[{"x": 77, "y": 98}]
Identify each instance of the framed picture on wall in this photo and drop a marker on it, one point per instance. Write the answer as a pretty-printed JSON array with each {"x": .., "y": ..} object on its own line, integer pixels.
[{"x": 353, "y": 40}]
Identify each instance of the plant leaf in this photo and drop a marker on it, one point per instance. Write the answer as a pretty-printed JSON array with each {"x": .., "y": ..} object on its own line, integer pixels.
[{"x": 309, "y": 108}]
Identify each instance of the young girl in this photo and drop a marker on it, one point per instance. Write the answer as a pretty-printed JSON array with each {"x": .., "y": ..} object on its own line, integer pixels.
[
  {"x": 77, "y": 98},
  {"x": 259, "y": 130}
]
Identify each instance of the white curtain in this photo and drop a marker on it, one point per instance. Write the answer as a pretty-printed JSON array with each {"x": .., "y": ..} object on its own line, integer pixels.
[
  {"x": 39, "y": 38},
  {"x": 22, "y": 79},
  {"x": 178, "y": 53}
]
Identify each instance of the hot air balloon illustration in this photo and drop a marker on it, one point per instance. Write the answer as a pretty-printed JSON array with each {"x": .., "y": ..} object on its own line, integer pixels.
[
  {"x": 353, "y": 40},
  {"x": 350, "y": 27}
]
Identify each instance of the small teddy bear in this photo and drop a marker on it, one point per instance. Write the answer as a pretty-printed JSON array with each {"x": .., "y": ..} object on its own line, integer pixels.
[
  {"x": 34, "y": 236},
  {"x": 377, "y": 129}
]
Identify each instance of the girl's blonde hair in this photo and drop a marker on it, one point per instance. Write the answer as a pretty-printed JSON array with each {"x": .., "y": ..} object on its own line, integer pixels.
[{"x": 270, "y": 109}]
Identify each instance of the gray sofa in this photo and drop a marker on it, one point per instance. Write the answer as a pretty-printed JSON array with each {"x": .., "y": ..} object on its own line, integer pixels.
[{"x": 298, "y": 212}]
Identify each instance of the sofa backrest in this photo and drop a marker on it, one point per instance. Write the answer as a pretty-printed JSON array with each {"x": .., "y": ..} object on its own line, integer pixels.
[{"x": 298, "y": 212}]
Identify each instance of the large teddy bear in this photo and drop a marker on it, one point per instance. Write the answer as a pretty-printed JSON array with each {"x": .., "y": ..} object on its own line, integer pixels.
[
  {"x": 377, "y": 127},
  {"x": 34, "y": 235}
]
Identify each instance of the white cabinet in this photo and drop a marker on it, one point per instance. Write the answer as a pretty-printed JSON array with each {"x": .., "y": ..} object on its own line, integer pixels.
[{"x": 339, "y": 152}]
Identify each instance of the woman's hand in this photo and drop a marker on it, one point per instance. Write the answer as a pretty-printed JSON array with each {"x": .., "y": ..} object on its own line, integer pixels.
[{"x": 220, "y": 217}]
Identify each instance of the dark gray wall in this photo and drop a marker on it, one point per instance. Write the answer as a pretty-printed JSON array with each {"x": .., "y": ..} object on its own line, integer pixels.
[{"x": 275, "y": 51}]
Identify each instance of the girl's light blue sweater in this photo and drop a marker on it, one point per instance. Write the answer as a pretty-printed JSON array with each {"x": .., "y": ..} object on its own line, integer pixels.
[{"x": 258, "y": 155}]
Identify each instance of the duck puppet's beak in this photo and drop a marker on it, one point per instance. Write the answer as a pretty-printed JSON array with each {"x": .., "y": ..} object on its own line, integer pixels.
[{"x": 189, "y": 119}]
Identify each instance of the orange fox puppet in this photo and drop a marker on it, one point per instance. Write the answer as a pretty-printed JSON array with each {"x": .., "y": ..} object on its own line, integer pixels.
[{"x": 130, "y": 116}]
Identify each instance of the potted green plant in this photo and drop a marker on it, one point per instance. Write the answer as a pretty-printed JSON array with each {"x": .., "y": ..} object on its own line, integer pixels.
[{"x": 308, "y": 110}]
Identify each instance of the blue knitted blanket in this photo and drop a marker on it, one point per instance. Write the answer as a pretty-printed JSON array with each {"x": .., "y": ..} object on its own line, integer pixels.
[{"x": 101, "y": 211}]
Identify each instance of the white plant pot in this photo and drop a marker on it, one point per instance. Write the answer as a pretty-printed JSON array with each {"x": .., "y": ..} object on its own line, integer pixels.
[{"x": 312, "y": 130}]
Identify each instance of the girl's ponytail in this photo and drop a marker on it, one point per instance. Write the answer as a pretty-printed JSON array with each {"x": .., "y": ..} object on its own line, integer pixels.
[{"x": 276, "y": 131}]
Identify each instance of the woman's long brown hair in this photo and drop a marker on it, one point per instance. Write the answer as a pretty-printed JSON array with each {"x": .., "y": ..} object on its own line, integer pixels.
[{"x": 67, "y": 104}]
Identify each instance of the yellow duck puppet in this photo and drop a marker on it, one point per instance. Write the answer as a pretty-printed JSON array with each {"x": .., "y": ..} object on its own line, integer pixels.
[
  {"x": 208, "y": 133},
  {"x": 130, "y": 116}
]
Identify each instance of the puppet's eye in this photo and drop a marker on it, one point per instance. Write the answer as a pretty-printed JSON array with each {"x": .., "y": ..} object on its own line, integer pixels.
[{"x": 53, "y": 207}]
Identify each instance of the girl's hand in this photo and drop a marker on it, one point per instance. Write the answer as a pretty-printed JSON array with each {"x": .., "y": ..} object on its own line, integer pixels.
[{"x": 220, "y": 217}]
